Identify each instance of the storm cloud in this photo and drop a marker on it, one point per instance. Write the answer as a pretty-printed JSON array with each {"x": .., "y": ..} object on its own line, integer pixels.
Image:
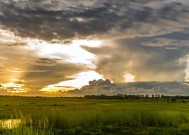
[{"x": 80, "y": 19}]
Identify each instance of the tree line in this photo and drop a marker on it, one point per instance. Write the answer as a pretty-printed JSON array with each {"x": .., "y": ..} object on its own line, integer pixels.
[{"x": 135, "y": 97}]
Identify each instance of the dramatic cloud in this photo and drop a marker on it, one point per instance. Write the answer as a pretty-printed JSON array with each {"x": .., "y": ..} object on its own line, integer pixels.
[
  {"x": 145, "y": 63},
  {"x": 48, "y": 42},
  {"x": 68, "y": 19}
]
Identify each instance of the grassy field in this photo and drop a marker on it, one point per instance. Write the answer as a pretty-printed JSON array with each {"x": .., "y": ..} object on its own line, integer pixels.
[{"x": 59, "y": 116}]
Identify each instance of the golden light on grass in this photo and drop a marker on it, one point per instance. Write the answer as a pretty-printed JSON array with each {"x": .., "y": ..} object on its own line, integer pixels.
[{"x": 10, "y": 123}]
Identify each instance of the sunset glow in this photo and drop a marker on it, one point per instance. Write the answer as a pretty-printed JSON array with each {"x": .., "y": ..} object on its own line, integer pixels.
[
  {"x": 80, "y": 80},
  {"x": 129, "y": 77},
  {"x": 94, "y": 67},
  {"x": 14, "y": 88}
]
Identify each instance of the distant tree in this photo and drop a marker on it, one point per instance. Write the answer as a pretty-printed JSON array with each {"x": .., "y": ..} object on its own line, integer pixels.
[
  {"x": 183, "y": 101},
  {"x": 173, "y": 99}
]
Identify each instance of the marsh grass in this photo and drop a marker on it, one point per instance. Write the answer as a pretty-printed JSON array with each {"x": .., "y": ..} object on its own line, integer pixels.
[
  {"x": 81, "y": 120},
  {"x": 98, "y": 117},
  {"x": 27, "y": 131}
]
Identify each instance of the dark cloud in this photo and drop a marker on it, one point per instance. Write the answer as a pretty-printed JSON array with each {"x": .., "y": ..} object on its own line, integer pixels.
[
  {"x": 47, "y": 61},
  {"x": 13, "y": 44},
  {"x": 67, "y": 19},
  {"x": 167, "y": 43}
]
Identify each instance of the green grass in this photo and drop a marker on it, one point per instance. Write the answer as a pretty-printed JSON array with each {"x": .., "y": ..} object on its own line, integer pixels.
[{"x": 57, "y": 116}]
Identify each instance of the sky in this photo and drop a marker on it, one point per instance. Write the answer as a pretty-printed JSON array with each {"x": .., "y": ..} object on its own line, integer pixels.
[{"x": 46, "y": 45}]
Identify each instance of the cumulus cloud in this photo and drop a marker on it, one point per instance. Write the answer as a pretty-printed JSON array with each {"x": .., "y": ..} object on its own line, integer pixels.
[{"x": 146, "y": 63}]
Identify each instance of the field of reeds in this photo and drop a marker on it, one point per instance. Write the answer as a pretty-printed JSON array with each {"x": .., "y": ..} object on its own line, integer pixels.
[{"x": 69, "y": 116}]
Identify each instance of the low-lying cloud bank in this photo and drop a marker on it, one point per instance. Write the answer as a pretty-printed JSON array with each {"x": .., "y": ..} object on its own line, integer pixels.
[{"x": 98, "y": 87}]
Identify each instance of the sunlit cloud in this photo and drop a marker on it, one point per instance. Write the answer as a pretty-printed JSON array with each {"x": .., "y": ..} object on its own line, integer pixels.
[
  {"x": 56, "y": 88},
  {"x": 89, "y": 43},
  {"x": 13, "y": 87},
  {"x": 129, "y": 77},
  {"x": 72, "y": 53},
  {"x": 187, "y": 71},
  {"x": 8, "y": 38},
  {"x": 81, "y": 79}
]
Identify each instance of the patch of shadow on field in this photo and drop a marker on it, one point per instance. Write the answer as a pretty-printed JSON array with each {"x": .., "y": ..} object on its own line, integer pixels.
[
  {"x": 52, "y": 105},
  {"x": 123, "y": 130},
  {"x": 56, "y": 105},
  {"x": 44, "y": 105}
]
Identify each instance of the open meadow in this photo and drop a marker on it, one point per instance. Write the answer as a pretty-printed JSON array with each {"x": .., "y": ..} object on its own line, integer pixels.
[{"x": 59, "y": 116}]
